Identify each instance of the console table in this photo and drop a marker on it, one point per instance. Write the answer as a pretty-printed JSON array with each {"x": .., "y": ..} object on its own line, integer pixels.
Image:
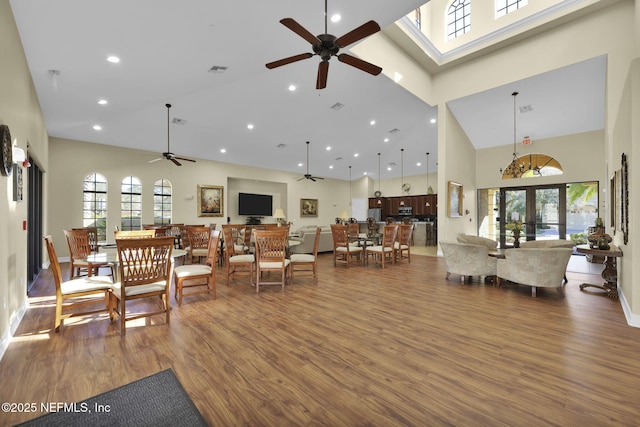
[{"x": 610, "y": 272}]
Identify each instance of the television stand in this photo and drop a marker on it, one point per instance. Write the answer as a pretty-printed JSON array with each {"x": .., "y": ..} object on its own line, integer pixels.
[{"x": 254, "y": 220}]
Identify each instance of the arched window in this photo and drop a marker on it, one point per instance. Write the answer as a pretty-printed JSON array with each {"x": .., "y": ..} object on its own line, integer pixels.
[
  {"x": 131, "y": 204},
  {"x": 162, "y": 202},
  {"x": 418, "y": 19},
  {"x": 504, "y": 7},
  {"x": 94, "y": 204},
  {"x": 458, "y": 18}
]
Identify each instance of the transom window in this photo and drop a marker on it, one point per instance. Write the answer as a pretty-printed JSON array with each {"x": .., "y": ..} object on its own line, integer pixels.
[
  {"x": 418, "y": 18},
  {"x": 504, "y": 7},
  {"x": 131, "y": 204},
  {"x": 458, "y": 18},
  {"x": 94, "y": 204},
  {"x": 162, "y": 202}
]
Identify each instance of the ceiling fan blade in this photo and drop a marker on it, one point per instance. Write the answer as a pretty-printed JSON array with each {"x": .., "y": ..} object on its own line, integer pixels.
[
  {"x": 300, "y": 179},
  {"x": 177, "y": 163},
  {"x": 156, "y": 160},
  {"x": 291, "y": 24},
  {"x": 359, "y": 33},
  {"x": 312, "y": 179},
  {"x": 185, "y": 159},
  {"x": 360, "y": 64},
  {"x": 288, "y": 60},
  {"x": 323, "y": 72},
  {"x": 317, "y": 177}
]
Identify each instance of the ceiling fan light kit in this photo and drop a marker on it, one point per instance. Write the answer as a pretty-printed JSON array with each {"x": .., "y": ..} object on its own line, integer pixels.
[
  {"x": 327, "y": 45},
  {"x": 168, "y": 155}
]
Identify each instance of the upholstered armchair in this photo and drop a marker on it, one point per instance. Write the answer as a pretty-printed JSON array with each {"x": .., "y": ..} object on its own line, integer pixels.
[
  {"x": 468, "y": 260},
  {"x": 477, "y": 240},
  {"x": 535, "y": 267}
]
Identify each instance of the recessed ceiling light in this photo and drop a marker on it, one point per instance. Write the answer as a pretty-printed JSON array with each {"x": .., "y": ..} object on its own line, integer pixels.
[
  {"x": 250, "y": 126},
  {"x": 372, "y": 122},
  {"x": 328, "y": 148},
  {"x": 364, "y": 173},
  {"x": 356, "y": 155},
  {"x": 292, "y": 88},
  {"x": 300, "y": 165},
  {"x": 97, "y": 127},
  {"x": 388, "y": 168},
  {"x": 330, "y": 166},
  {"x": 223, "y": 150},
  {"x": 336, "y": 17},
  {"x": 433, "y": 121},
  {"x": 113, "y": 59},
  {"x": 418, "y": 164},
  {"x": 386, "y": 140},
  {"x": 103, "y": 102}
]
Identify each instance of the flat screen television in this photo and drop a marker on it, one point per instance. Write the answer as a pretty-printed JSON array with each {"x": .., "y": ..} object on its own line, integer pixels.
[{"x": 255, "y": 204}]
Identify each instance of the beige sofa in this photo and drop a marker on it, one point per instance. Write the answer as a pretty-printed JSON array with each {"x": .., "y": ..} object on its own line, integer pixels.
[
  {"x": 468, "y": 260},
  {"x": 560, "y": 243},
  {"x": 306, "y": 235},
  {"x": 477, "y": 240},
  {"x": 536, "y": 267}
]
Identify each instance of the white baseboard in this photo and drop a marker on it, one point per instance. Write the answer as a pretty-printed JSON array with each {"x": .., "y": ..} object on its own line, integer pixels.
[
  {"x": 14, "y": 322},
  {"x": 632, "y": 319}
]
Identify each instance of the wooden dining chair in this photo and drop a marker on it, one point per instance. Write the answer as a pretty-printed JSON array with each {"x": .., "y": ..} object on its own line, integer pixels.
[
  {"x": 271, "y": 251},
  {"x": 93, "y": 238},
  {"x": 197, "y": 275},
  {"x": 385, "y": 251},
  {"x": 145, "y": 266},
  {"x": 402, "y": 246},
  {"x": 302, "y": 262},
  {"x": 77, "y": 292},
  {"x": 235, "y": 262},
  {"x": 343, "y": 252},
  {"x": 198, "y": 243},
  {"x": 79, "y": 249}
]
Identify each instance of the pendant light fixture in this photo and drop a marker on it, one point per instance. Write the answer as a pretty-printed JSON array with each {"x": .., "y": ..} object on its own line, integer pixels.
[
  {"x": 379, "y": 179},
  {"x": 429, "y": 190},
  {"x": 513, "y": 170},
  {"x": 350, "y": 197},
  {"x": 401, "y": 174}
]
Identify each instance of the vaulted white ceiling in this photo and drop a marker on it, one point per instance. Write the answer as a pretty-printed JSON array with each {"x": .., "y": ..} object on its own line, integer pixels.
[{"x": 167, "y": 49}]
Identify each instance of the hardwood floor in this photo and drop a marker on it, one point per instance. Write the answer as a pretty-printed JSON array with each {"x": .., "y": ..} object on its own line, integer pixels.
[{"x": 362, "y": 346}]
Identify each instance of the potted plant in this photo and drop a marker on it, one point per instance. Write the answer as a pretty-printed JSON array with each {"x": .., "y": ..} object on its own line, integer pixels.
[{"x": 516, "y": 228}]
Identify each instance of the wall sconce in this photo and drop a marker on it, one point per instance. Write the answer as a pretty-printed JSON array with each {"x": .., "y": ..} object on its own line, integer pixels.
[{"x": 18, "y": 155}]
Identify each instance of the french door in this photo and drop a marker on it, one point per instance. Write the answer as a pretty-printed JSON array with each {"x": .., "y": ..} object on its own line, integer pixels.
[{"x": 541, "y": 209}]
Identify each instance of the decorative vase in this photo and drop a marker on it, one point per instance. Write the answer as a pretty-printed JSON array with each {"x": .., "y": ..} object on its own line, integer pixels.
[
  {"x": 603, "y": 244},
  {"x": 516, "y": 238},
  {"x": 599, "y": 222}
]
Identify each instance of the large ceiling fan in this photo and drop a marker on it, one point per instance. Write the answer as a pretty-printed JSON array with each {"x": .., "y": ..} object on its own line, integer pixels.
[
  {"x": 327, "y": 45},
  {"x": 308, "y": 175},
  {"x": 168, "y": 155}
]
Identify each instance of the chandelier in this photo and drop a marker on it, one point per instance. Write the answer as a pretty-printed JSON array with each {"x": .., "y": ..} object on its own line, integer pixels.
[{"x": 516, "y": 168}]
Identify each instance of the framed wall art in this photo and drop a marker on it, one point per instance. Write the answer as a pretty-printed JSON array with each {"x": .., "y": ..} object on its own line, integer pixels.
[
  {"x": 308, "y": 207},
  {"x": 210, "y": 200},
  {"x": 454, "y": 200},
  {"x": 17, "y": 183}
]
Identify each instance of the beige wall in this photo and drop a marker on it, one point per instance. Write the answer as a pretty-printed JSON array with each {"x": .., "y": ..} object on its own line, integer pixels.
[
  {"x": 116, "y": 163},
  {"x": 19, "y": 109}
]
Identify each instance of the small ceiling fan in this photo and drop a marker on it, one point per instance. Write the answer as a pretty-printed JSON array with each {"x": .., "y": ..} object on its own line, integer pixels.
[
  {"x": 327, "y": 45},
  {"x": 168, "y": 155},
  {"x": 308, "y": 175}
]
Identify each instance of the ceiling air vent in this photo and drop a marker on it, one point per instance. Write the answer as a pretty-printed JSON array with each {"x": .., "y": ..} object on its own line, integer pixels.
[
  {"x": 217, "y": 69},
  {"x": 337, "y": 106},
  {"x": 281, "y": 145},
  {"x": 177, "y": 121},
  {"x": 394, "y": 130},
  {"x": 526, "y": 109}
]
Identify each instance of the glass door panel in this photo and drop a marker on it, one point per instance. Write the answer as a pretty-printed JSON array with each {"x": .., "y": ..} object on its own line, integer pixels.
[{"x": 547, "y": 215}]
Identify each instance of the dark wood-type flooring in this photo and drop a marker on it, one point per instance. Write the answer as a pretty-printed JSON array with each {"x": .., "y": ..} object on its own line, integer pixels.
[{"x": 361, "y": 347}]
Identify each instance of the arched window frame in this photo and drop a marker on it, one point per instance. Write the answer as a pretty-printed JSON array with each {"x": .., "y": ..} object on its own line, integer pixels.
[
  {"x": 458, "y": 18},
  {"x": 94, "y": 203},
  {"x": 162, "y": 202},
  {"x": 505, "y": 7},
  {"x": 131, "y": 203}
]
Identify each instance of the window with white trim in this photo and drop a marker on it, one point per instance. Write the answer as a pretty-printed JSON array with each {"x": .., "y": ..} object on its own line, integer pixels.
[
  {"x": 94, "y": 204},
  {"x": 504, "y": 7},
  {"x": 162, "y": 202},
  {"x": 131, "y": 204},
  {"x": 458, "y": 18}
]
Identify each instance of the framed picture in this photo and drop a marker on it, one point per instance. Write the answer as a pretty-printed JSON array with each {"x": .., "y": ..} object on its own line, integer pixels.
[
  {"x": 613, "y": 200},
  {"x": 308, "y": 207},
  {"x": 210, "y": 200},
  {"x": 17, "y": 183},
  {"x": 454, "y": 200}
]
